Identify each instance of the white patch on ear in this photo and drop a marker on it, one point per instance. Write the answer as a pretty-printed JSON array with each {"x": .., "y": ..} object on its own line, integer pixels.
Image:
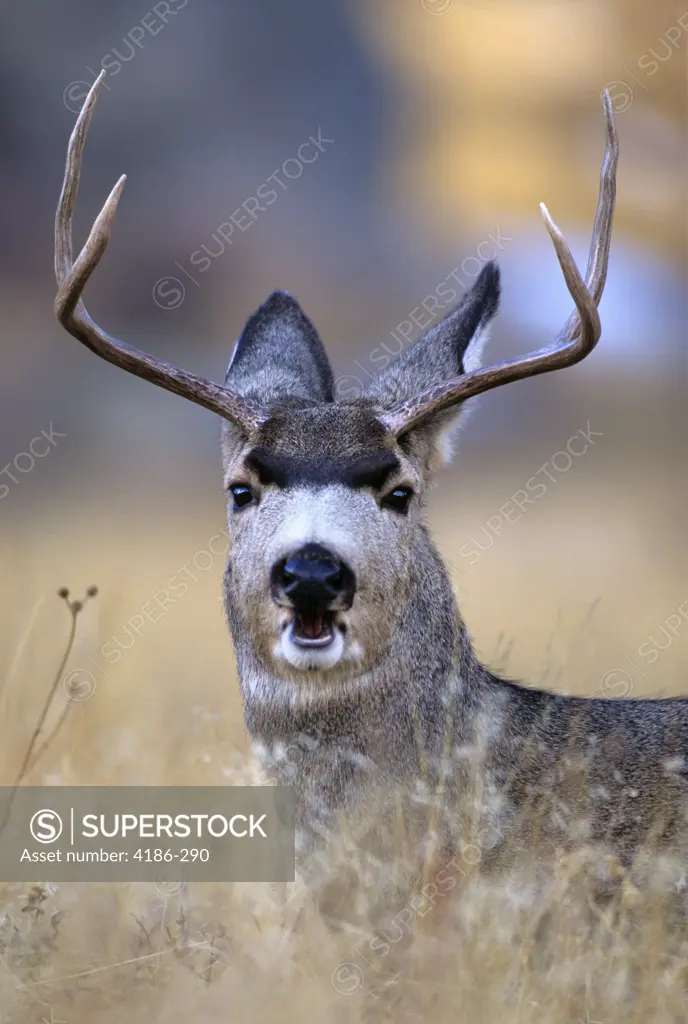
[
  {"x": 447, "y": 435},
  {"x": 233, "y": 355},
  {"x": 473, "y": 357}
]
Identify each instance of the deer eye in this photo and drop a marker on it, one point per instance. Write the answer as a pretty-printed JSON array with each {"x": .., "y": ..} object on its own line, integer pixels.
[
  {"x": 399, "y": 499},
  {"x": 243, "y": 496}
]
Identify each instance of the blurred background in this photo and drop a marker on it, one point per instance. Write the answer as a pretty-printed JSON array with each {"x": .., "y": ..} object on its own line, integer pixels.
[{"x": 436, "y": 127}]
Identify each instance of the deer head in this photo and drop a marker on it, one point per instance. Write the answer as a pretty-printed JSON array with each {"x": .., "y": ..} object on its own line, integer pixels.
[{"x": 325, "y": 497}]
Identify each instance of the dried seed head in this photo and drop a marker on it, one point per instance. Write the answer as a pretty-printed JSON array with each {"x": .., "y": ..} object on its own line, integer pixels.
[{"x": 76, "y": 606}]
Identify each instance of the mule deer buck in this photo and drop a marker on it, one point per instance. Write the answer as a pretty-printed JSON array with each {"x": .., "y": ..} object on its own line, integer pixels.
[{"x": 356, "y": 668}]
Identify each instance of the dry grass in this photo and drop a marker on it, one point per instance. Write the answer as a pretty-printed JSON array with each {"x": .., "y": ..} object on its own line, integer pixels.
[{"x": 516, "y": 949}]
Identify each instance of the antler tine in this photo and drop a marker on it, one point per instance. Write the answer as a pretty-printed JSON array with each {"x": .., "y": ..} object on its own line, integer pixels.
[
  {"x": 72, "y": 279},
  {"x": 598, "y": 259},
  {"x": 579, "y": 335}
]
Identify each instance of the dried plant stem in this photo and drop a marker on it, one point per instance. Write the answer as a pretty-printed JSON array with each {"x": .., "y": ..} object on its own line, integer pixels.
[
  {"x": 47, "y": 742},
  {"x": 44, "y": 714}
]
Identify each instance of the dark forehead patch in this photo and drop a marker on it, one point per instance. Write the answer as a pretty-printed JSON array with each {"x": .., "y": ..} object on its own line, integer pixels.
[
  {"x": 292, "y": 471},
  {"x": 324, "y": 444}
]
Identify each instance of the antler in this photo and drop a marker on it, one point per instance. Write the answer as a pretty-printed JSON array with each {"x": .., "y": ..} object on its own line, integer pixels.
[
  {"x": 72, "y": 278},
  {"x": 581, "y": 331}
]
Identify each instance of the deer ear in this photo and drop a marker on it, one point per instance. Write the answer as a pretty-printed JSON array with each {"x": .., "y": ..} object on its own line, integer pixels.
[
  {"x": 279, "y": 357},
  {"x": 448, "y": 349}
]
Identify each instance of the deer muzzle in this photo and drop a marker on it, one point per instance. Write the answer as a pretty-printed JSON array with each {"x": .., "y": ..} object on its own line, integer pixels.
[{"x": 316, "y": 584}]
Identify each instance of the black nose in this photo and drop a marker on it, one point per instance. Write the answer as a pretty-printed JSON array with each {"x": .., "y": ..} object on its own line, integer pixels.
[{"x": 314, "y": 576}]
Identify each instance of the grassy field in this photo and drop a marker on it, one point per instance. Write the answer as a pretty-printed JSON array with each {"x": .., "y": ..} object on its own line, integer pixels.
[{"x": 566, "y": 596}]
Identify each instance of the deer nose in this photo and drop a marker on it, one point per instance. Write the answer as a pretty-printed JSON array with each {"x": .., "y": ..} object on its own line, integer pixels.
[{"x": 315, "y": 577}]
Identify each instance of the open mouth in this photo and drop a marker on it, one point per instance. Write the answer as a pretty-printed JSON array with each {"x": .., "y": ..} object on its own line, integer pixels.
[{"x": 312, "y": 627}]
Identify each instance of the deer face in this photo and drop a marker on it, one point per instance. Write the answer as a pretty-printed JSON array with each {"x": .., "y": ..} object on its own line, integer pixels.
[
  {"x": 322, "y": 506},
  {"x": 324, "y": 500}
]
